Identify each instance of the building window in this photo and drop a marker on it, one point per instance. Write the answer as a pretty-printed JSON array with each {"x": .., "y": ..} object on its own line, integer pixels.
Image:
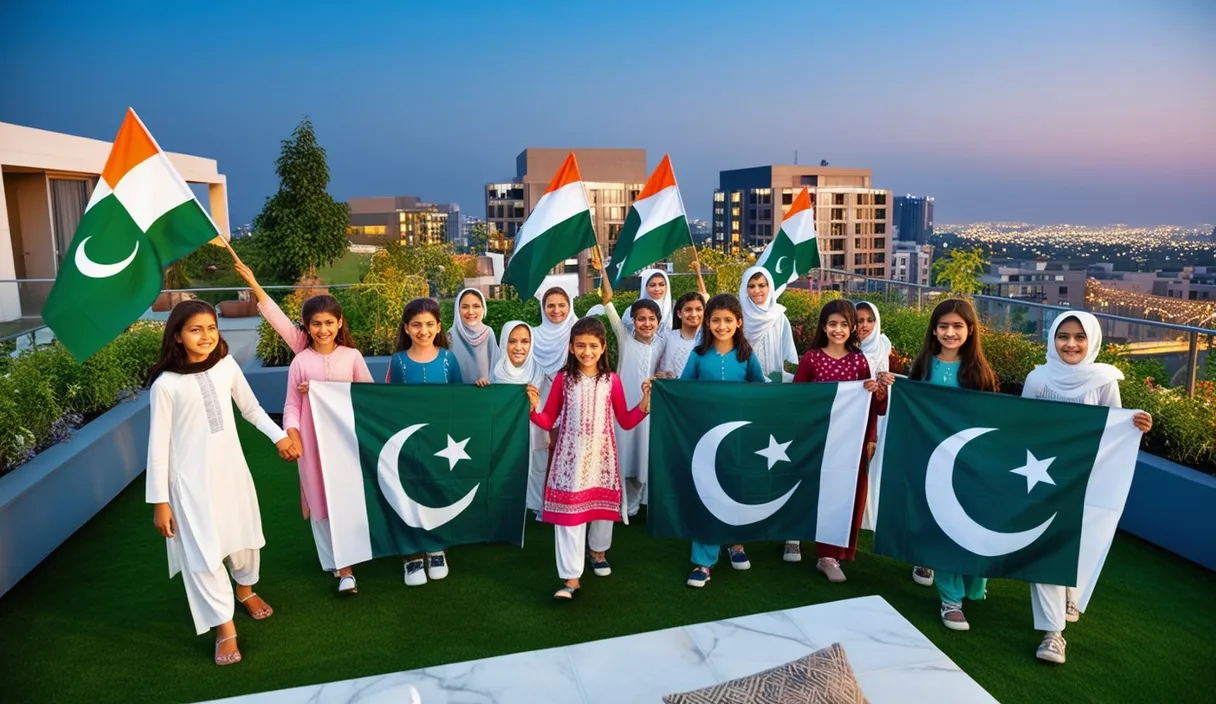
[
  {"x": 863, "y": 198},
  {"x": 838, "y": 213},
  {"x": 517, "y": 210},
  {"x": 879, "y": 258},
  {"x": 880, "y": 214},
  {"x": 766, "y": 213},
  {"x": 880, "y": 199},
  {"x": 836, "y": 245},
  {"x": 837, "y": 199},
  {"x": 837, "y": 261},
  {"x": 880, "y": 243},
  {"x": 838, "y": 229},
  {"x": 736, "y": 196},
  {"x": 787, "y": 198},
  {"x": 719, "y": 197},
  {"x": 751, "y": 213},
  {"x": 859, "y": 259},
  {"x": 614, "y": 213},
  {"x": 859, "y": 243},
  {"x": 880, "y": 228}
]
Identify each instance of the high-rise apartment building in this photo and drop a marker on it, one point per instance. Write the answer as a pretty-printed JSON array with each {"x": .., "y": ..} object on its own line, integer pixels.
[
  {"x": 613, "y": 179},
  {"x": 913, "y": 219},
  {"x": 404, "y": 219},
  {"x": 852, "y": 219},
  {"x": 911, "y": 262}
]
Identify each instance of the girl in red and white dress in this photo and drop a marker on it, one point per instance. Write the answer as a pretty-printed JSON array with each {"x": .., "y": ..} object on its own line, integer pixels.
[{"x": 583, "y": 495}]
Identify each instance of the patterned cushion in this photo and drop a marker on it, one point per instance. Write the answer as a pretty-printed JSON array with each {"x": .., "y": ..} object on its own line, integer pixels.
[{"x": 823, "y": 677}]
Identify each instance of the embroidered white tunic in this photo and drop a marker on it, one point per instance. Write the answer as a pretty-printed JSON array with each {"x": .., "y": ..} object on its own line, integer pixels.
[
  {"x": 676, "y": 351},
  {"x": 636, "y": 362},
  {"x": 195, "y": 464}
]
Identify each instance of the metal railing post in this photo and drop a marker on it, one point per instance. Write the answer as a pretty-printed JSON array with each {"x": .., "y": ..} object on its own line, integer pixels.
[{"x": 1192, "y": 363}]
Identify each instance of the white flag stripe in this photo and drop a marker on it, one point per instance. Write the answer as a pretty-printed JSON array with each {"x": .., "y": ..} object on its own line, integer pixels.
[
  {"x": 100, "y": 191},
  {"x": 334, "y": 420},
  {"x": 658, "y": 210},
  {"x": 552, "y": 208},
  {"x": 841, "y": 462},
  {"x": 870, "y": 518},
  {"x": 1105, "y": 496},
  {"x": 801, "y": 227},
  {"x": 151, "y": 189}
]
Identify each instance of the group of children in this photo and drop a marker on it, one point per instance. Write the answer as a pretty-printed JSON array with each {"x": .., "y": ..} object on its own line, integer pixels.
[{"x": 588, "y": 441}]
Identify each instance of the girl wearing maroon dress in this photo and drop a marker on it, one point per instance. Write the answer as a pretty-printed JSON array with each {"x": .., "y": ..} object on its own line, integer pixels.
[{"x": 836, "y": 355}]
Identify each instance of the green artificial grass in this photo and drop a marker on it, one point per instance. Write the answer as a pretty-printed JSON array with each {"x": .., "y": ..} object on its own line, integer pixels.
[
  {"x": 347, "y": 270},
  {"x": 99, "y": 620}
]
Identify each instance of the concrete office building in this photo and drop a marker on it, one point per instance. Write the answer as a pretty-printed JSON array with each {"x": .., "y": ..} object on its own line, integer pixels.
[
  {"x": 48, "y": 180},
  {"x": 613, "y": 179},
  {"x": 913, "y": 219},
  {"x": 1051, "y": 282},
  {"x": 852, "y": 219},
  {"x": 912, "y": 262},
  {"x": 405, "y": 219}
]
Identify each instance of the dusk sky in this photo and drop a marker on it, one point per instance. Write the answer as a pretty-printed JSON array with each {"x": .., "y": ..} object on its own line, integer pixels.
[{"x": 1074, "y": 111}]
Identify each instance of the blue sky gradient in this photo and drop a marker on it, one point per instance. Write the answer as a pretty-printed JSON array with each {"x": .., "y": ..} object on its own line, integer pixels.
[{"x": 1078, "y": 111}]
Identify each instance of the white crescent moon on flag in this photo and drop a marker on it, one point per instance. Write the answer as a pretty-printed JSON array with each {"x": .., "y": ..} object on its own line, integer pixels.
[
  {"x": 413, "y": 513},
  {"x": 778, "y": 265},
  {"x": 93, "y": 270},
  {"x": 950, "y": 515},
  {"x": 705, "y": 480}
]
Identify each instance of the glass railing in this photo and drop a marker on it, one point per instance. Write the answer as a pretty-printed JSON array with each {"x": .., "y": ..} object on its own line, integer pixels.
[{"x": 1180, "y": 347}]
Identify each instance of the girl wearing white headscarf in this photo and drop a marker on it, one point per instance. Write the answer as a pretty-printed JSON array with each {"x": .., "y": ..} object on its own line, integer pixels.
[
  {"x": 1071, "y": 375},
  {"x": 875, "y": 346},
  {"x": 472, "y": 341},
  {"x": 659, "y": 292},
  {"x": 877, "y": 349},
  {"x": 766, "y": 327},
  {"x": 518, "y": 336}
]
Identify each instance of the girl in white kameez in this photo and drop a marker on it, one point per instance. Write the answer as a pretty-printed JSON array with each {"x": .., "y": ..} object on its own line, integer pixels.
[
  {"x": 769, "y": 333},
  {"x": 204, "y": 500},
  {"x": 517, "y": 365},
  {"x": 639, "y": 352},
  {"x": 655, "y": 287},
  {"x": 1071, "y": 375}
]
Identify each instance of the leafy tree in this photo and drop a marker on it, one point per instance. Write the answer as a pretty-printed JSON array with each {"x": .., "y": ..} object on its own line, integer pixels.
[
  {"x": 961, "y": 270},
  {"x": 301, "y": 226},
  {"x": 479, "y": 238},
  {"x": 729, "y": 268},
  {"x": 435, "y": 262}
]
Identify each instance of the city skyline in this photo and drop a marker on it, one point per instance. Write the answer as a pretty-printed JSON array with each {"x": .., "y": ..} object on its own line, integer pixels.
[{"x": 1087, "y": 112}]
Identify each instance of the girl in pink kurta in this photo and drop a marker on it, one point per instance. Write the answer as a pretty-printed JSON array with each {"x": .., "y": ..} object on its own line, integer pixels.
[
  {"x": 836, "y": 355},
  {"x": 583, "y": 490},
  {"x": 330, "y": 356}
]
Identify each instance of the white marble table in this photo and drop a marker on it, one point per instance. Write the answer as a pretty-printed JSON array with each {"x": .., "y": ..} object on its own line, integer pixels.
[{"x": 893, "y": 662}]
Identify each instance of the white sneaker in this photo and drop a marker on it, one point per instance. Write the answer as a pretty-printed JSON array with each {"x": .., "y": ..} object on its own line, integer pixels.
[
  {"x": 348, "y": 585},
  {"x": 793, "y": 551},
  {"x": 953, "y": 618},
  {"x": 831, "y": 568},
  {"x": 922, "y": 576},
  {"x": 415, "y": 574},
  {"x": 1052, "y": 648},
  {"x": 436, "y": 565},
  {"x": 1071, "y": 614}
]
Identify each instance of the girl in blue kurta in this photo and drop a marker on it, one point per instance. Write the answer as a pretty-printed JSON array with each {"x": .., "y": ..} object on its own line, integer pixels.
[
  {"x": 722, "y": 354},
  {"x": 952, "y": 356},
  {"x": 423, "y": 357}
]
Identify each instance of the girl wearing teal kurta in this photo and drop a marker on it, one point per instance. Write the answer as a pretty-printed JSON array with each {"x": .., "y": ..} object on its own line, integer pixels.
[
  {"x": 722, "y": 354},
  {"x": 952, "y": 356}
]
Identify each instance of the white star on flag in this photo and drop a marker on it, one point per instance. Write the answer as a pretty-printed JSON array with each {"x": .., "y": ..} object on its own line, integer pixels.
[
  {"x": 775, "y": 452},
  {"x": 1035, "y": 471},
  {"x": 454, "y": 452}
]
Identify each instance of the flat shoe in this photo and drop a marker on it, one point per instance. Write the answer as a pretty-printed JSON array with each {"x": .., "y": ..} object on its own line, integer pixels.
[
  {"x": 260, "y": 614},
  {"x": 565, "y": 593}
]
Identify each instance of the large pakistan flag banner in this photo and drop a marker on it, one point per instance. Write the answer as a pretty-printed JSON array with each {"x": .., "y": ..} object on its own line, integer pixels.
[
  {"x": 735, "y": 462},
  {"x": 992, "y": 485},
  {"x": 426, "y": 467}
]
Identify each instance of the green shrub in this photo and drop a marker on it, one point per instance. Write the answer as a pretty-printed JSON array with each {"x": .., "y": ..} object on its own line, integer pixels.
[
  {"x": 1012, "y": 356},
  {"x": 46, "y": 393}
]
